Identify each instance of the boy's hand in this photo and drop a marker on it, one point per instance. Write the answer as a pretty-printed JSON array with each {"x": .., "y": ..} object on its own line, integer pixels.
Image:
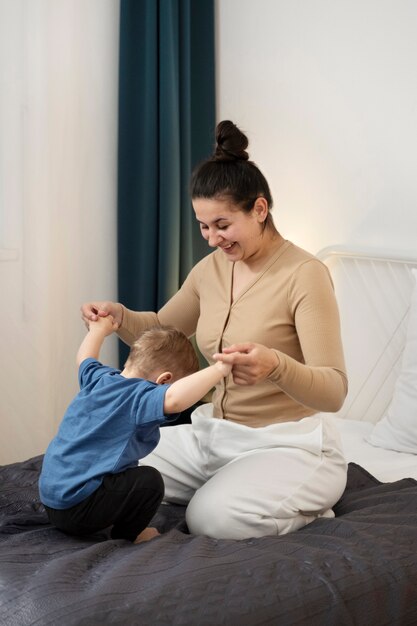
[
  {"x": 93, "y": 340},
  {"x": 224, "y": 368},
  {"x": 104, "y": 325},
  {"x": 251, "y": 362}
]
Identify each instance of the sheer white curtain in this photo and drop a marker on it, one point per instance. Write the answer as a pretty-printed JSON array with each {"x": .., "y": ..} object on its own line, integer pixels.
[{"x": 58, "y": 159}]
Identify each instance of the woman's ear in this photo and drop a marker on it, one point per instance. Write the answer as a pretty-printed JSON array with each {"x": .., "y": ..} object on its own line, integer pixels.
[
  {"x": 164, "y": 378},
  {"x": 260, "y": 209}
]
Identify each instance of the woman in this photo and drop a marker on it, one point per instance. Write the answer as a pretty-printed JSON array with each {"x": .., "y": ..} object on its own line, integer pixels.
[{"x": 260, "y": 459}]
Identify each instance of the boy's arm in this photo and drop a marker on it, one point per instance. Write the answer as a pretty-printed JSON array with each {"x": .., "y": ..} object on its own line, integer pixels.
[
  {"x": 92, "y": 342},
  {"x": 187, "y": 391}
]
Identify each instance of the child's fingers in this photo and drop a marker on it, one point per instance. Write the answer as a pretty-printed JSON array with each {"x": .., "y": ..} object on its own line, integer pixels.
[{"x": 234, "y": 358}]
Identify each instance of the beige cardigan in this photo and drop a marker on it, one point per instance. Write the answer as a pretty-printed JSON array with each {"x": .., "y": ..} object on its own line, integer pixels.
[{"x": 289, "y": 306}]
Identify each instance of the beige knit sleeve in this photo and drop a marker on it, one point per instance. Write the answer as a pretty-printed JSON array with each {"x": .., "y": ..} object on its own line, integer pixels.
[
  {"x": 320, "y": 382},
  {"x": 181, "y": 311}
]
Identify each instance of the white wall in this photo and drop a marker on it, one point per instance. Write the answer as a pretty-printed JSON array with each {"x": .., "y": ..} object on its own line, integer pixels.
[
  {"x": 58, "y": 149},
  {"x": 326, "y": 89},
  {"x": 327, "y": 92}
]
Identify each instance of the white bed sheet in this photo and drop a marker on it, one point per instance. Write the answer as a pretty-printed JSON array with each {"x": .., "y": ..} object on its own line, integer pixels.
[{"x": 385, "y": 465}]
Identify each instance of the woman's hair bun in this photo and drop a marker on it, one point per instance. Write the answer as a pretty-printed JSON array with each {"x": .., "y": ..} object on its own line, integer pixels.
[{"x": 231, "y": 143}]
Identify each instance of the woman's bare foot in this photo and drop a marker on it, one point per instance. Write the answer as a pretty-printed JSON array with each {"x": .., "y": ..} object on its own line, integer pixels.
[{"x": 146, "y": 534}]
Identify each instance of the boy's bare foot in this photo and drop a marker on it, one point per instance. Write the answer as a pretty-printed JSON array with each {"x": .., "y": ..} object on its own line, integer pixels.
[{"x": 146, "y": 534}]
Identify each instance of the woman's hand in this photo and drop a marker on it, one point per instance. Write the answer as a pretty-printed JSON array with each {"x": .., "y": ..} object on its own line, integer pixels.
[
  {"x": 91, "y": 311},
  {"x": 251, "y": 362}
]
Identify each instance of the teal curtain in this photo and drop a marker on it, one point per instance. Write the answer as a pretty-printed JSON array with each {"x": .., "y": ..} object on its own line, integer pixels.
[{"x": 166, "y": 126}]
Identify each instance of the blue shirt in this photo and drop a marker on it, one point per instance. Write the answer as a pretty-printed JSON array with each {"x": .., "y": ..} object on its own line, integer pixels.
[{"x": 110, "y": 424}]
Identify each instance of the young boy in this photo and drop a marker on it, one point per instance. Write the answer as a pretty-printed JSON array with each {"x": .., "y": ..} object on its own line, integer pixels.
[{"x": 90, "y": 477}]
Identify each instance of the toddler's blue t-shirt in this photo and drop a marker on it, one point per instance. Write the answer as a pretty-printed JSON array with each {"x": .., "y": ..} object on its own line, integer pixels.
[{"x": 111, "y": 423}]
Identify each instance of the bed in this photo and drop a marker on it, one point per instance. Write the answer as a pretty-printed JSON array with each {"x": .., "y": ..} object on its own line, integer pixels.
[{"x": 359, "y": 568}]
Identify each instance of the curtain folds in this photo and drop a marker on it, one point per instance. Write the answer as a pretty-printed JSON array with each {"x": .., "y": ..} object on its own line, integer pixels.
[{"x": 166, "y": 126}]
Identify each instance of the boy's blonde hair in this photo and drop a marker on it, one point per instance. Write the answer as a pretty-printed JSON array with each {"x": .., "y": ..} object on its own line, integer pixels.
[{"x": 161, "y": 349}]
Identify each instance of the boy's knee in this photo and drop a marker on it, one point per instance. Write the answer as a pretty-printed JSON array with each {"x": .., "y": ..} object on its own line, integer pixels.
[{"x": 152, "y": 479}]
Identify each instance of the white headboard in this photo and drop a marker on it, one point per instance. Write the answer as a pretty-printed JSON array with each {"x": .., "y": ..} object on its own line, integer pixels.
[{"x": 373, "y": 290}]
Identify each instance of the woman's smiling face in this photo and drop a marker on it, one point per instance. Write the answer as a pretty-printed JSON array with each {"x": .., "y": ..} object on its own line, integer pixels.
[{"x": 237, "y": 233}]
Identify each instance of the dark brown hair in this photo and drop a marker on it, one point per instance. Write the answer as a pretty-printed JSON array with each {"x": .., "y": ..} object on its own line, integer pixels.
[
  {"x": 229, "y": 173},
  {"x": 161, "y": 349}
]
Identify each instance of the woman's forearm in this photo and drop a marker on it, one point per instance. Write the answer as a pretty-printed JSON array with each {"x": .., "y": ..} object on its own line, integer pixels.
[
  {"x": 320, "y": 388},
  {"x": 181, "y": 311},
  {"x": 134, "y": 323}
]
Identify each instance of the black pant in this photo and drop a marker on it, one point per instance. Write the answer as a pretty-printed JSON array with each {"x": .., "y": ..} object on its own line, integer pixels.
[{"x": 127, "y": 501}]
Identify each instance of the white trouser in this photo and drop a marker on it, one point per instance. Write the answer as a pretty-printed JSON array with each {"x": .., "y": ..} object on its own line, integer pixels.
[{"x": 242, "y": 482}]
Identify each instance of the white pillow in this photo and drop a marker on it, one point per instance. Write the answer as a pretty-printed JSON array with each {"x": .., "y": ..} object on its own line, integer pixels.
[{"x": 397, "y": 430}]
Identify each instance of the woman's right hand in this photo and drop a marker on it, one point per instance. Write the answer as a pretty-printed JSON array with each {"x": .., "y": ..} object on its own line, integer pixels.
[{"x": 91, "y": 311}]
